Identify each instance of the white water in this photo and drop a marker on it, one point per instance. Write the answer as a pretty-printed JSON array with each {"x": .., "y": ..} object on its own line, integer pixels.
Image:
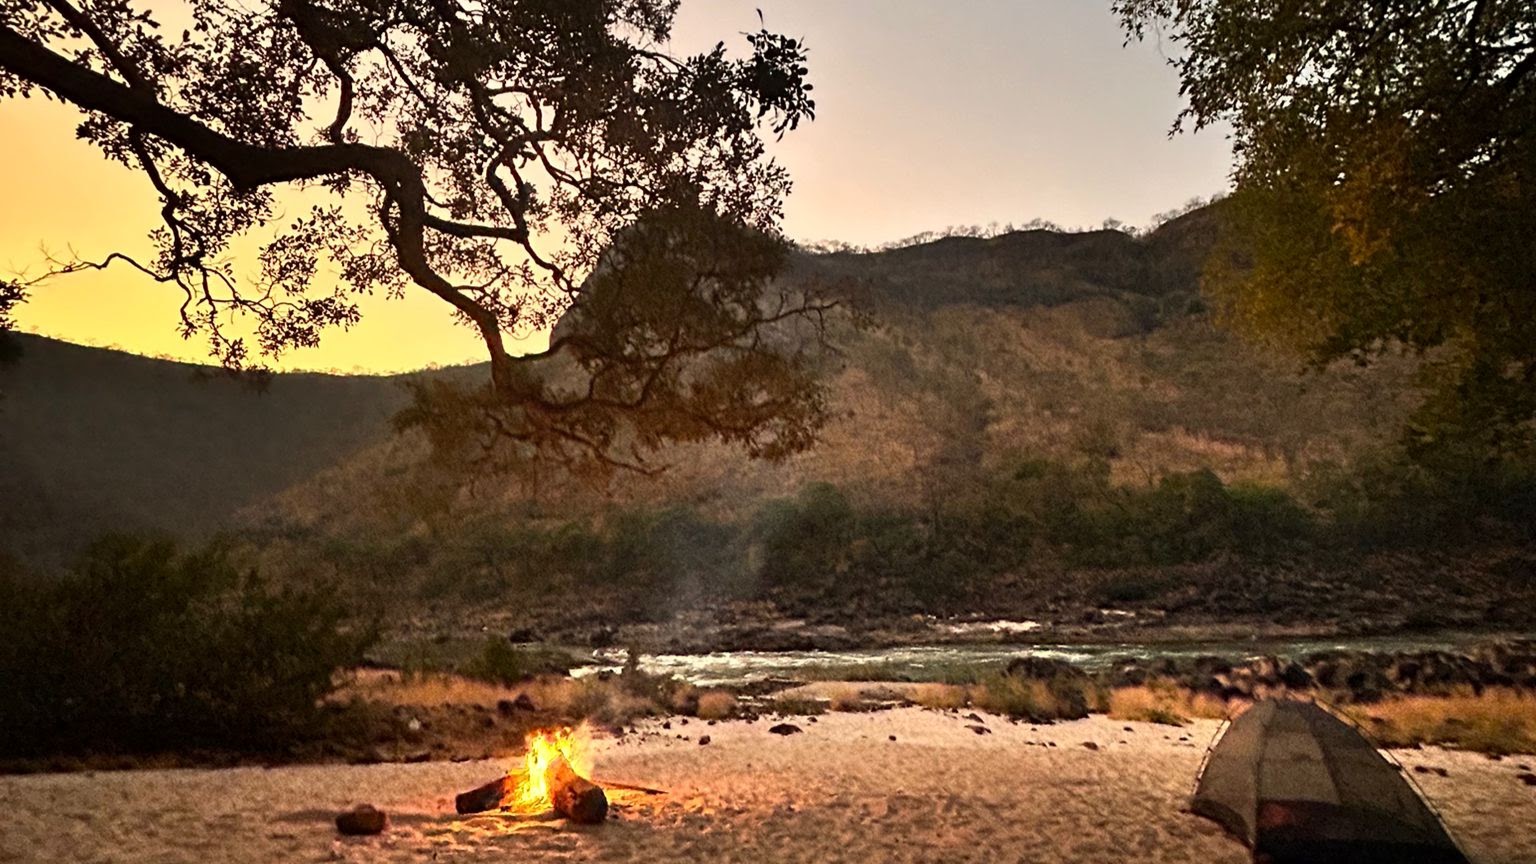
[{"x": 741, "y": 667}]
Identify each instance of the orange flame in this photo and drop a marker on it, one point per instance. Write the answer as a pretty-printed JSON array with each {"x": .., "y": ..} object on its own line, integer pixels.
[{"x": 531, "y": 794}]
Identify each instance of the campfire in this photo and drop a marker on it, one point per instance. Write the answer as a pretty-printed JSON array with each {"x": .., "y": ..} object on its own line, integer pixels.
[{"x": 553, "y": 777}]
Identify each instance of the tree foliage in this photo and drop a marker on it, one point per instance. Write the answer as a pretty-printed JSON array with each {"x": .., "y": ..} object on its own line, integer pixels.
[
  {"x": 11, "y": 294},
  {"x": 487, "y": 153},
  {"x": 1385, "y": 188},
  {"x": 144, "y": 647}
]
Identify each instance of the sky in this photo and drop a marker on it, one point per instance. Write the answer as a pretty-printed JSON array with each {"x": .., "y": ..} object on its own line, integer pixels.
[{"x": 929, "y": 114}]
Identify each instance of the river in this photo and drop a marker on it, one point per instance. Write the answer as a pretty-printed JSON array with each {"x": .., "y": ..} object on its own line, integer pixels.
[{"x": 916, "y": 662}]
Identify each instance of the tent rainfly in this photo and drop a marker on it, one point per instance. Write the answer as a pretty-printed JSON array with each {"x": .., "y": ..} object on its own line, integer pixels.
[{"x": 1297, "y": 784}]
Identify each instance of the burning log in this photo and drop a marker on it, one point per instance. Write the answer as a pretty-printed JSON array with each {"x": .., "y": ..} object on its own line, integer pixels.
[
  {"x": 546, "y": 782},
  {"x": 487, "y": 797},
  {"x": 569, "y": 794},
  {"x": 574, "y": 796}
]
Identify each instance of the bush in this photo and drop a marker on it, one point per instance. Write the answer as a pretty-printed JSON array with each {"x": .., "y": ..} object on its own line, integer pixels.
[
  {"x": 499, "y": 662},
  {"x": 144, "y": 648},
  {"x": 1033, "y": 699}
]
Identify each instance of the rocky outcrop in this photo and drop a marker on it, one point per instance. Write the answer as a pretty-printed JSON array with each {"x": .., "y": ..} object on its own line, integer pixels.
[{"x": 1347, "y": 676}]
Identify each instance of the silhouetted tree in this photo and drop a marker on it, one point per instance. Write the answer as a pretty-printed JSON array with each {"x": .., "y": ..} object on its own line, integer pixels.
[
  {"x": 1385, "y": 188},
  {"x": 10, "y": 295},
  {"x": 487, "y": 153}
]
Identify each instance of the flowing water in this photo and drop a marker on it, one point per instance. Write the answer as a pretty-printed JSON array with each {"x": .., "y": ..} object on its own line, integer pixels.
[{"x": 917, "y": 662}]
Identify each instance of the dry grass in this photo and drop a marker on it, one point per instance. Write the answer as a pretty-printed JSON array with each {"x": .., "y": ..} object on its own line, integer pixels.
[
  {"x": 1164, "y": 703},
  {"x": 1038, "y": 701},
  {"x": 608, "y": 701},
  {"x": 942, "y": 696},
  {"x": 789, "y": 706},
  {"x": 421, "y": 689},
  {"x": 1497, "y": 721},
  {"x": 850, "y": 697},
  {"x": 716, "y": 705}
]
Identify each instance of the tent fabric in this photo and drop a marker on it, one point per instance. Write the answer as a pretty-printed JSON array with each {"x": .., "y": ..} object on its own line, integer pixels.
[{"x": 1297, "y": 784}]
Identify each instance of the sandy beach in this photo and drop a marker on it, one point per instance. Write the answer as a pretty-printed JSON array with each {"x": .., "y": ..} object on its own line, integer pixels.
[{"x": 842, "y": 790}]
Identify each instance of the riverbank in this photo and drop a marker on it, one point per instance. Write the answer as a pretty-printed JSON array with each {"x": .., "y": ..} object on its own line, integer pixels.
[
  {"x": 901, "y": 785},
  {"x": 1481, "y": 698}
]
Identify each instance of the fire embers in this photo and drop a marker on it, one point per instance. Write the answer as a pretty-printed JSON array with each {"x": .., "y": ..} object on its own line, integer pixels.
[{"x": 549, "y": 779}]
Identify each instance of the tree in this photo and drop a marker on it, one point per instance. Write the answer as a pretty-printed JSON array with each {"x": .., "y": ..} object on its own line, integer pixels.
[
  {"x": 10, "y": 296},
  {"x": 487, "y": 153},
  {"x": 1385, "y": 189}
]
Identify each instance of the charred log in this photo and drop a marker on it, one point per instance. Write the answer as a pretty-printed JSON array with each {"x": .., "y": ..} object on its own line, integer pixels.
[{"x": 571, "y": 795}]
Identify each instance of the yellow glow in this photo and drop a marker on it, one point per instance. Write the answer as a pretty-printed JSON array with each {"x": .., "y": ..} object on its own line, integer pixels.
[
  {"x": 532, "y": 794},
  {"x": 62, "y": 198},
  {"x": 928, "y": 117}
]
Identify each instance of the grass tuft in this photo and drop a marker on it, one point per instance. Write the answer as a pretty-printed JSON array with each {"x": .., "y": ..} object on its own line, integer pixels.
[{"x": 1499, "y": 720}]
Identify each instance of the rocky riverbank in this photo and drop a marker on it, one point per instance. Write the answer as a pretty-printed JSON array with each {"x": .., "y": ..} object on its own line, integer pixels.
[{"x": 1349, "y": 676}]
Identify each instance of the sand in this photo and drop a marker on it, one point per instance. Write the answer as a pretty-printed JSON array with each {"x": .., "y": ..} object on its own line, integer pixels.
[{"x": 840, "y": 791}]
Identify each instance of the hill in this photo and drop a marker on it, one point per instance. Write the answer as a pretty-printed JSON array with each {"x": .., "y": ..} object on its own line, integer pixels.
[
  {"x": 1028, "y": 422},
  {"x": 95, "y": 440},
  {"x": 1025, "y": 423},
  {"x": 976, "y": 351}
]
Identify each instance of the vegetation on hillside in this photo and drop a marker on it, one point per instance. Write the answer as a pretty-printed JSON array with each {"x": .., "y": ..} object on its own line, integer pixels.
[{"x": 1012, "y": 538}]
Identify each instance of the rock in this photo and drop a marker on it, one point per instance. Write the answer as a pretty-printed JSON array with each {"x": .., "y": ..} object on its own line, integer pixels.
[
  {"x": 973, "y": 717},
  {"x": 703, "y": 739},
  {"x": 980, "y": 730},
  {"x": 785, "y": 729},
  {"x": 1042, "y": 669},
  {"x": 1295, "y": 677},
  {"x": 1527, "y": 778},
  {"x": 1089, "y": 745},
  {"x": 603, "y": 637},
  {"x": 362, "y": 820},
  {"x": 892, "y": 737}
]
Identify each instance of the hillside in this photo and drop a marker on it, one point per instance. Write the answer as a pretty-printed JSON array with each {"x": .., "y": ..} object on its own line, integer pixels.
[
  {"x": 95, "y": 440},
  {"x": 1082, "y": 350},
  {"x": 1035, "y": 344},
  {"x": 1025, "y": 423}
]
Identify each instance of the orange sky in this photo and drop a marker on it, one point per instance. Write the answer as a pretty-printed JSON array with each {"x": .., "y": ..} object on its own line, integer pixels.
[{"x": 929, "y": 115}]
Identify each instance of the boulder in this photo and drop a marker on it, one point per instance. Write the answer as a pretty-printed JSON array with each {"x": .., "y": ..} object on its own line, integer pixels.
[
  {"x": 362, "y": 820},
  {"x": 1043, "y": 669}
]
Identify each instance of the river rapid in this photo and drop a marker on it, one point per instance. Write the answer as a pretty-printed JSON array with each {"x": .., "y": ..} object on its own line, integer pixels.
[{"x": 920, "y": 662}]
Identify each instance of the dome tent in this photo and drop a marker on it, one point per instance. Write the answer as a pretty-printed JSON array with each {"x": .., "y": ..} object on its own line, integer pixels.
[{"x": 1298, "y": 784}]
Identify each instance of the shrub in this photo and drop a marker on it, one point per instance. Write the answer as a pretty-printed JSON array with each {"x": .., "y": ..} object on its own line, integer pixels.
[
  {"x": 1033, "y": 699},
  {"x": 499, "y": 662},
  {"x": 716, "y": 705},
  {"x": 143, "y": 647}
]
